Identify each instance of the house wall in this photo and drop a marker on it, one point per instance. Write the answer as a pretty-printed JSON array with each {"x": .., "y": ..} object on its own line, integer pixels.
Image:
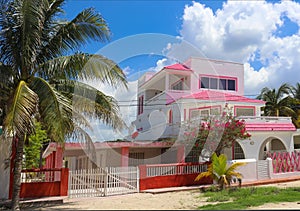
[
  {"x": 248, "y": 171},
  {"x": 253, "y": 148},
  {"x": 5, "y": 145},
  {"x": 151, "y": 155},
  {"x": 112, "y": 157},
  {"x": 217, "y": 68}
]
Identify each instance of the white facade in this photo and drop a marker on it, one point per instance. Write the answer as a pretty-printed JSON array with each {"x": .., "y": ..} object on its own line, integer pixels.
[{"x": 202, "y": 87}]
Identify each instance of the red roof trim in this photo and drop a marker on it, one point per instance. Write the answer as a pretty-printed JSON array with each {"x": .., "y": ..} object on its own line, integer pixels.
[
  {"x": 220, "y": 96},
  {"x": 178, "y": 67}
]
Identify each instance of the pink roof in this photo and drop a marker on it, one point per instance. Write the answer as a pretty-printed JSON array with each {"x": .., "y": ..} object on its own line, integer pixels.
[
  {"x": 177, "y": 67},
  {"x": 220, "y": 96}
]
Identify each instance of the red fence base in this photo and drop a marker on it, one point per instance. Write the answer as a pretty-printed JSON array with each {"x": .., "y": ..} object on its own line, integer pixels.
[
  {"x": 56, "y": 184},
  {"x": 39, "y": 189},
  {"x": 172, "y": 181}
]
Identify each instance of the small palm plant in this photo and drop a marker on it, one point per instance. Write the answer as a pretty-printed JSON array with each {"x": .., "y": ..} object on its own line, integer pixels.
[{"x": 220, "y": 172}]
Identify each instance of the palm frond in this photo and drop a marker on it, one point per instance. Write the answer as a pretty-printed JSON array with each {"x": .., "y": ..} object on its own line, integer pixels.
[
  {"x": 79, "y": 135},
  {"x": 219, "y": 164},
  {"x": 31, "y": 31},
  {"x": 296, "y": 91},
  {"x": 6, "y": 82},
  {"x": 55, "y": 110},
  {"x": 203, "y": 175},
  {"x": 233, "y": 167},
  {"x": 87, "y": 25},
  {"x": 284, "y": 89},
  {"x": 9, "y": 33},
  {"x": 19, "y": 119},
  {"x": 91, "y": 102},
  {"x": 83, "y": 66}
]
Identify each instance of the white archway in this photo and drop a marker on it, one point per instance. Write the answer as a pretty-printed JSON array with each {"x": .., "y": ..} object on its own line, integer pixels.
[{"x": 271, "y": 144}]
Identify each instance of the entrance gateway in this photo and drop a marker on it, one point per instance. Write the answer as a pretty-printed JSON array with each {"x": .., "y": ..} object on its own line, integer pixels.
[{"x": 103, "y": 181}]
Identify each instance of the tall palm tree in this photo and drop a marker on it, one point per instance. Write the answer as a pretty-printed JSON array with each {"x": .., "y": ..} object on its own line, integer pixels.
[
  {"x": 220, "y": 171},
  {"x": 39, "y": 73},
  {"x": 278, "y": 102}
]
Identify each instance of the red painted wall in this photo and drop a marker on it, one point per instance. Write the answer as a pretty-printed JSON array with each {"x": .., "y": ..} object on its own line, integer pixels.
[
  {"x": 46, "y": 189},
  {"x": 39, "y": 189},
  {"x": 172, "y": 181}
]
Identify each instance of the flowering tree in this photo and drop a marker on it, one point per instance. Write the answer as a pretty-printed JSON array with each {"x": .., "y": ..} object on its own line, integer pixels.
[{"x": 216, "y": 133}]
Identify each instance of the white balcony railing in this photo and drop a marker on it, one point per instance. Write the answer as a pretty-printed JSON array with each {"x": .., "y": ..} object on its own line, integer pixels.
[
  {"x": 265, "y": 119},
  {"x": 161, "y": 98}
]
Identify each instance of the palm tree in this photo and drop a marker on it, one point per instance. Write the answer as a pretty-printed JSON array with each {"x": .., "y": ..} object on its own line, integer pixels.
[
  {"x": 220, "y": 172},
  {"x": 296, "y": 91},
  {"x": 39, "y": 73},
  {"x": 278, "y": 102},
  {"x": 296, "y": 103}
]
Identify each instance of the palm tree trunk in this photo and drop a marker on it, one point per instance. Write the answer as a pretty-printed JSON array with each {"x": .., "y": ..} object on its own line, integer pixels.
[{"x": 17, "y": 175}]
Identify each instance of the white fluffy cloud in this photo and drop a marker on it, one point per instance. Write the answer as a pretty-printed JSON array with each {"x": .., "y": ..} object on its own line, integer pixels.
[{"x": 248, "y": 32}]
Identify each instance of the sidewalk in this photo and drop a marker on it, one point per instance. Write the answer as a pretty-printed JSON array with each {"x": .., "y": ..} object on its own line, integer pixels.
[
  {"x": 25, "y": 203},
  {"x": 244, "y": 184},
  {"x": 48, "y": 201}
]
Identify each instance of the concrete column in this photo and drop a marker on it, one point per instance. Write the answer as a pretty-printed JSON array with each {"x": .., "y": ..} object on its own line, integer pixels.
[
  {"x": 58, "y": 162},
  {"x": 124, "y": 156},
  {"x": 180, "y": 154},
  {"x": 167, "y": 81}
]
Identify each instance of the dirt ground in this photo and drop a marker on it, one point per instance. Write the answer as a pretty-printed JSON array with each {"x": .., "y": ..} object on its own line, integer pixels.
[{"x": 181, "y": 200}]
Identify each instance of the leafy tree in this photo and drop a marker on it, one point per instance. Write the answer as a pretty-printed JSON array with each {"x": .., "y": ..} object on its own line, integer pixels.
[
  {"x": 33, "y": 147},
  {"x": 216, "y": 133},
  {"x": 220, "y": 171},
  {"x": 39, "y": 72}
]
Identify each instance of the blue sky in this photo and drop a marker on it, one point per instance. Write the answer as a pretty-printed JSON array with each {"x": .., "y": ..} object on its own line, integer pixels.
[
  {"x": 263, "y": 35},
  {"x": 127, "y": 18}
]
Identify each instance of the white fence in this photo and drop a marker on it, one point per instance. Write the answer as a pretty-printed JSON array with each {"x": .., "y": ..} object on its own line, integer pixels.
[
  {"x": 172, "y": 169},
  {"x": 103, "y": 181}
]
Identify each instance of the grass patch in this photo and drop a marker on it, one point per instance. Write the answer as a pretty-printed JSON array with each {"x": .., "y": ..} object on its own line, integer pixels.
[{"x": 243, "y": 198}]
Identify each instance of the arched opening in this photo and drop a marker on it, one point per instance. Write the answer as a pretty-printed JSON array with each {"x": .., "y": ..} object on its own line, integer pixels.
[{"x": 272, "y": 145}]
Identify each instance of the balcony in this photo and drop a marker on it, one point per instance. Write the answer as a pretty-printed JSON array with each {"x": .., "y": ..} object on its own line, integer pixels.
[
  {"x": 268, "y": 123},
  {"x": 166, "y": 97}
]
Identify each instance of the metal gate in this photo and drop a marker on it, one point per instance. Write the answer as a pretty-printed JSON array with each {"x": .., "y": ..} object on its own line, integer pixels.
[
  {"x": 263, "y": 169},
  {"x": 103, "y": 181}
]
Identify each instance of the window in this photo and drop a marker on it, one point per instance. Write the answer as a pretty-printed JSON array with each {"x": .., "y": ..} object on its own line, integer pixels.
[
  {"x": 193, "y": 156},
  {"x": 238, "y": 151},
  {"x": 141, "y": 104},
  {"x": 178, "y": 85},
  {"x": 204, "y": 113},
  {"x": 214, "y": 111},
  {"x": 136, "y": 158},
  {"x": 204, "y": 82},
  {"x": 213, "y": 83},
  {"x": 218, "y": 83},
  {"x": 244, "y": 112},
  {"x": 231, "y": 85},
  {"x": 195, "y": 114},
  {"x": 223, "y": 84}
]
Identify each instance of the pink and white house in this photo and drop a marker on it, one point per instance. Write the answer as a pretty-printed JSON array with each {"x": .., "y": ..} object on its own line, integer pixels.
[{"x": 202, "y": 87}]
